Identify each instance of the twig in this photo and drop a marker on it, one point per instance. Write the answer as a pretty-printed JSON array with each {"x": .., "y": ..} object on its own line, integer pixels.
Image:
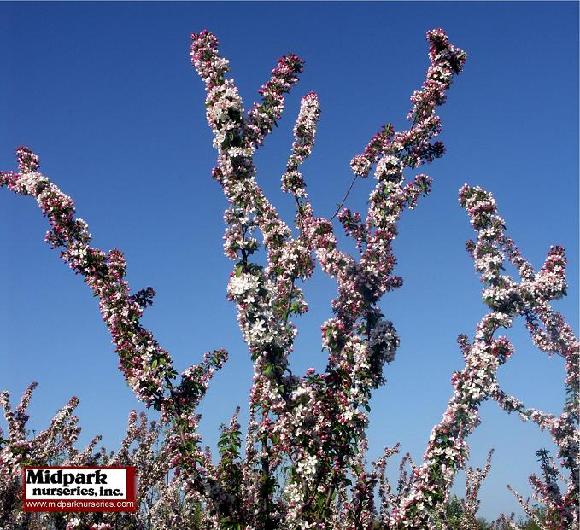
[{"x": 344, "y": 198}]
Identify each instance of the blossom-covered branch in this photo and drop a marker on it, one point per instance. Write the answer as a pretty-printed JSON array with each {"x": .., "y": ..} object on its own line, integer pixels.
[
  {"x": 359, "y": 341},
  {"x": 147, "y": 367},
  {"x": 447, "y": 449}
]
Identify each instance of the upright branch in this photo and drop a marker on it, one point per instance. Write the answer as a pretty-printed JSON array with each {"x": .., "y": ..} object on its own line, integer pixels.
[
  {"x": 474, "y": 478},
  {"x": 550, "y": 333},
  {"x": 358, "y": 339},
  {"x": 529, "y": 298},
  {"x": 147, "y": 367},
  {"x": 263, "y": 295},
  {"x": 284, "y": 408}
]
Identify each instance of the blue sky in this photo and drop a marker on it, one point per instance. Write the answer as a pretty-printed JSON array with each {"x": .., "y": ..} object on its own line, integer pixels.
[{"x": 105, "y": 94}]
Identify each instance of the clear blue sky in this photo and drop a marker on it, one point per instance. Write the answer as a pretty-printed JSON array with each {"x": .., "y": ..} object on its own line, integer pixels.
[{"x": 106, "y": 95}]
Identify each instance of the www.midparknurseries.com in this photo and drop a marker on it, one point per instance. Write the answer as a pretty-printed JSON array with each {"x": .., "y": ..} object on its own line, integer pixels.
[{"x": 77, "y": 489}]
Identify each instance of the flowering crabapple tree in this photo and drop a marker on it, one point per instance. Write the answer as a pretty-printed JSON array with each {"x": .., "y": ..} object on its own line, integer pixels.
[{"x": 302, "y": 463}]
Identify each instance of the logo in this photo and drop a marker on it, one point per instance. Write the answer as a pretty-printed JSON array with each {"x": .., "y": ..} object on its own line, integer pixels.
[{"x": 79, "y": 489}]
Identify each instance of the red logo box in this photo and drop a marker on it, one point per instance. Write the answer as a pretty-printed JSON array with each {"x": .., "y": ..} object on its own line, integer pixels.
[{"x": 79, "y": 489}]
